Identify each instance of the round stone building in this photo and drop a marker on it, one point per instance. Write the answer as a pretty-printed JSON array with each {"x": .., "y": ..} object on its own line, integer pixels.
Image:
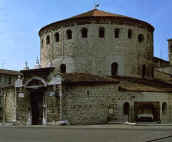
[{"x": 100, "y": 43}]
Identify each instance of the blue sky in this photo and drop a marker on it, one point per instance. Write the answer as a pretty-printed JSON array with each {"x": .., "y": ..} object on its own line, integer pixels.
[{"x": 20, "y": 21}]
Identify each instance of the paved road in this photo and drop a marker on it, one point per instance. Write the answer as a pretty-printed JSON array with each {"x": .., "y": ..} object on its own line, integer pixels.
[{"x": 82, "y": 135}]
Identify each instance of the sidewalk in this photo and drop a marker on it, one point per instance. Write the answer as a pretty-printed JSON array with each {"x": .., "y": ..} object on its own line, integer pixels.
[{"x": 105, "y": 126}]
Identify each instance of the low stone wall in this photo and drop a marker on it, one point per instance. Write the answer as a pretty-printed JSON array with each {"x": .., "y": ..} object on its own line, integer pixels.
[{"x": 87, "y": 104}]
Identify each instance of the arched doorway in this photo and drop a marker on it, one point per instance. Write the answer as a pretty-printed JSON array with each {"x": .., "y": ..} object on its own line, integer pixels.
[
  {"x": 36, "y": 100},
  {"x": 126, "y": 110},
  {"x": 36, "y": 88}
]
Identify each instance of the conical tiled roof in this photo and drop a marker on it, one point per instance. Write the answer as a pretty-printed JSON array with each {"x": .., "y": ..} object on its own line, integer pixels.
[{"x": 95, "y": 13}]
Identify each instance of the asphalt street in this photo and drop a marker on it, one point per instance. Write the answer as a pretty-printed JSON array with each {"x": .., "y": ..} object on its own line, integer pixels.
[{"x": 84, "y": 135}]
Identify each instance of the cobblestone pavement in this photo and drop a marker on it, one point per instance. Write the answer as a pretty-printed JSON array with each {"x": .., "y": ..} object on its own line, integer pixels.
[{"x": 115, "y": 133}]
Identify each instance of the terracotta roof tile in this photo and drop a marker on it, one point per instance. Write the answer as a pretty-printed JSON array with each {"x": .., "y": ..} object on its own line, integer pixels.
[
  {"x": 135, "y": 84},
  {"x": 95, "y": 13},
  {"x": 9, "y": 72},
  {"x": 86, "y": 78}
]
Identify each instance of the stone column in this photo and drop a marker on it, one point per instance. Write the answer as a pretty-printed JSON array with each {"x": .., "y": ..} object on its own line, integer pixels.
[
  {"x": 44, "y": 119},
  {"x": 29, "y": 120},
  {"x": 61, "y": 103}
]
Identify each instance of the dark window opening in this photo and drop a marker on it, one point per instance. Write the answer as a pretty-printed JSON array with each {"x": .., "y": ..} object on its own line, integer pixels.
[
  {"x": 114, "y": 69},
  {"x": 152, "y": 72},
  {"x": 69, "y": 34},
  {"x": 129, "y": 33},
  {"x": 116, "y": 32},
  {"x": 42, "y": 41},
  {"x": 57, "y": 37},
  {"x": 126, "y": 108},
  {"x": 9, "y": 80},
  {"x": 170, "y": 50},
  {"x": 143, "y": 71},
  {"x": 164, "y": 108},
  {"x": 140, "y": 38},
  {"x": 101, "y": 32},
  {"x": 48, "y": 40},
  {"x": 84, "y": 32},
  {"x": 63, "y": 68}
]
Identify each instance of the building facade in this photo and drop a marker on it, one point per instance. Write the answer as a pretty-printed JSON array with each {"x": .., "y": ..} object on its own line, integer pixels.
[{"x": 95, "y": 67}]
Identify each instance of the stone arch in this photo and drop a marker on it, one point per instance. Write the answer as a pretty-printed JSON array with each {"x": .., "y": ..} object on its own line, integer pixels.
[{"x": 36, "y": 78}]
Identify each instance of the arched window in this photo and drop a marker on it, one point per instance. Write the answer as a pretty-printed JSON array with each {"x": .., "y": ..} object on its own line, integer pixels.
[
  {"x": 164, "y": 108},
  {"x": 126, "y": 108},
  {"x": 84, "y": 32},
  {"x": 116, "y": 33},
  {"x": 63, "y": 68},
  {"x": 48, "y": 40},
  {"x": 140, "y": 38},
  {"x": 101, "y": 32},
  {"x": 56, "y": 36},
  {"x": 114, "y": 69},
  {"x": 143, "y": 71},
  {"x": 69, "y": 34},
  {"x": 129, "y": 33}
]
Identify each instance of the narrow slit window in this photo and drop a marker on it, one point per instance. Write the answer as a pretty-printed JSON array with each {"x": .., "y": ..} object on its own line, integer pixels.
[
  {"x": 143, "y": 71},
  {"x": 69, "y": 34},
  {"x": 48, "y": 40},
  {"x": 129, "y": 33},
  {"x": 101, "y": 32},
  {"x": 84, "y": 32},
  {"x": 57, "y": 37},
  {"x": 116, "y": 33},
  {"x": 140, "y": 38},
  {"x": 63, "y": 68},
  {"x": 114, "y": 69}
]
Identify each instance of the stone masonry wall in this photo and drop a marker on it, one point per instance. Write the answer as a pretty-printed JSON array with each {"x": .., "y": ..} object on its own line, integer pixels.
[
  {"x": 88, "y": 104},
  {"x": 10, "y": 105},
  {"x": 95, "y": 55}
]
